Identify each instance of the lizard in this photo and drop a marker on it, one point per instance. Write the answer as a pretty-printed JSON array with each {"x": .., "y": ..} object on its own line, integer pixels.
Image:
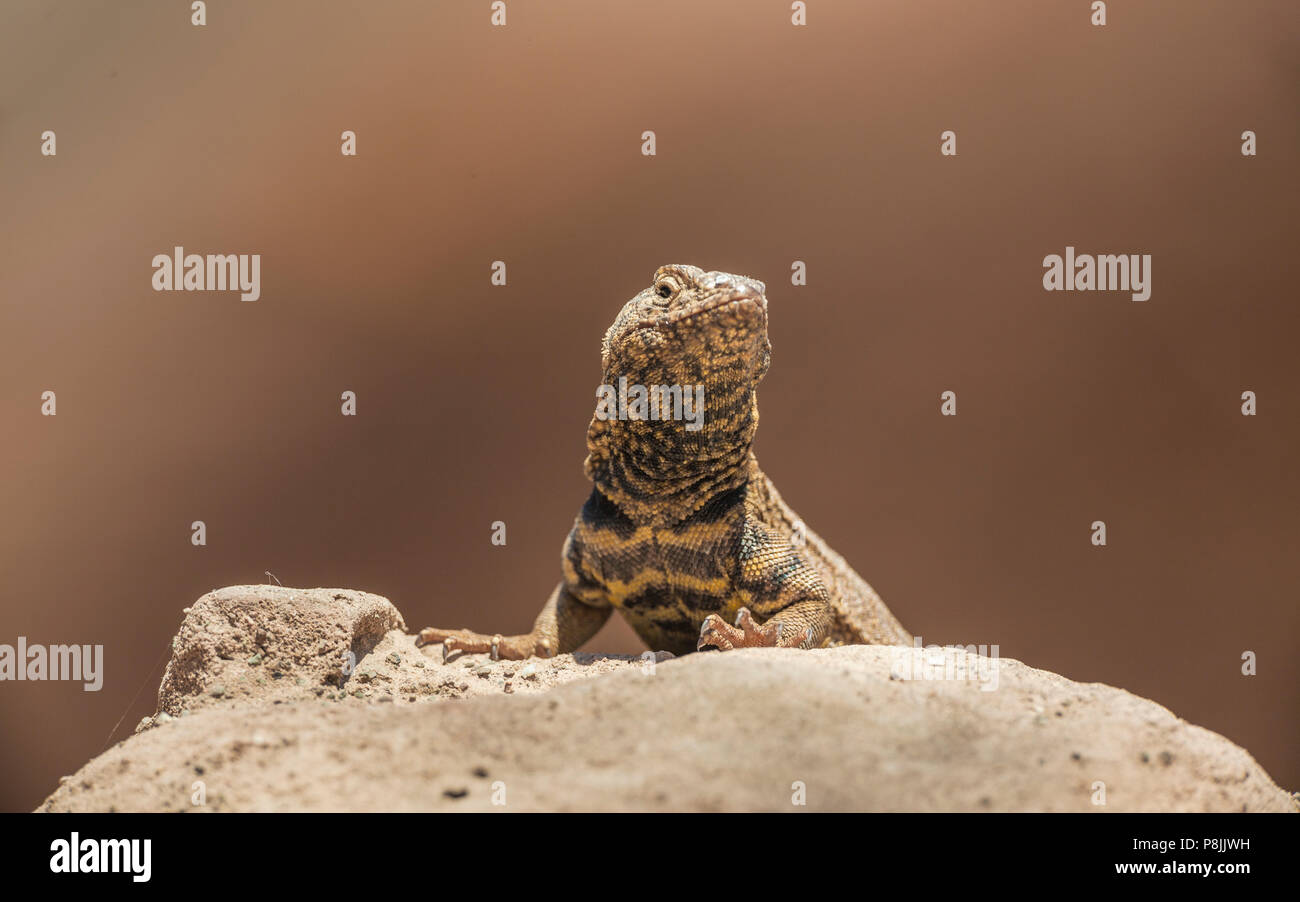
[{"x": 683, "y": 533}]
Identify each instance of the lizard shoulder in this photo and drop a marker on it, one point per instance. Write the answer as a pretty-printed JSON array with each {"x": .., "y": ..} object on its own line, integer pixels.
[{"x": 603, "y": 543}]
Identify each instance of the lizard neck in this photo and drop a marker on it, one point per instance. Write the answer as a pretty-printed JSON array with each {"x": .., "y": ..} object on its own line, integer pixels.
[{"x": 658, "y": 472}]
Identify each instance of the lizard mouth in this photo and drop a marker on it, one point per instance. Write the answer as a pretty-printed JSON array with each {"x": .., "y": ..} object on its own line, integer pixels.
[{"x": 681, "y": 316}]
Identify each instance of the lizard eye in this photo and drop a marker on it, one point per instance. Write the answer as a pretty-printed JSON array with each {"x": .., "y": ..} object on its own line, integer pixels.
[{"x": 664, "y": 290}]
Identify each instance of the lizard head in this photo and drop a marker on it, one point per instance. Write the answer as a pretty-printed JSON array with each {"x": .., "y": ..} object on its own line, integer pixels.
[
  {"x": 691, "y": 326},
  {"x": 703, "y": 334}
]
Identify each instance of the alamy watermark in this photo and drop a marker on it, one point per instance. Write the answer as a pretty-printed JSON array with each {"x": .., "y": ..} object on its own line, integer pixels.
[
  {"x": 977, "y": 663},
  {"x": 55, "y": 662},
  {"x": 658, "y": 402},
  {"x": 1104, "y": 272},
  {"x": 180, "y": 271},
  {"x": 75, "y": 855}
]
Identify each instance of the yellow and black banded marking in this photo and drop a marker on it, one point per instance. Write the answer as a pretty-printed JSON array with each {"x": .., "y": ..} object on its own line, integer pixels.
[{"x": 666, "y": 579}]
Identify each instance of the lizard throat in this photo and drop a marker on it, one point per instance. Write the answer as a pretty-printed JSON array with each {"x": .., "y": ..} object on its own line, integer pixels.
[{"x": 661, "y": 473}]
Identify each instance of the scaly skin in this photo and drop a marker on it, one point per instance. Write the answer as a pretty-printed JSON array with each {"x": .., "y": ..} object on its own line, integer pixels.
[{"x": 683, "y": 533}]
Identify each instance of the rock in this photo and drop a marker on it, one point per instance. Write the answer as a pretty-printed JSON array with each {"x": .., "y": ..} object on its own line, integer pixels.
[
  {"x": 227, "y": 636},
  {"x": 741, "y": 730}
]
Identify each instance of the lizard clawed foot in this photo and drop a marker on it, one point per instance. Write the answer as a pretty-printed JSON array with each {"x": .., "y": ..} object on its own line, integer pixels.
[
  {"x": 716, "y": 634},
  {"x": 510, "y": 648}
]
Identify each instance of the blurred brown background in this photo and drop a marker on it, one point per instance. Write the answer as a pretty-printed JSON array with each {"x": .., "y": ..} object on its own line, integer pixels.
[{"x": 775, "y": 144}]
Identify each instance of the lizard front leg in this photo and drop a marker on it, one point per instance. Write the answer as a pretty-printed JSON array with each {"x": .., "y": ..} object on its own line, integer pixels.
[
  {"x": 785, "y": 590},
  {"x": 563, "y": 625},
  {"x": 804, "y": 624}
]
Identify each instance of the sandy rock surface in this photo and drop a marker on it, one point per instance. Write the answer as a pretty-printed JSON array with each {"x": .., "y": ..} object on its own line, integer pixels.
[
  {"x": 262, "y": 708},
  {"x": 259, "y": 643}
]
